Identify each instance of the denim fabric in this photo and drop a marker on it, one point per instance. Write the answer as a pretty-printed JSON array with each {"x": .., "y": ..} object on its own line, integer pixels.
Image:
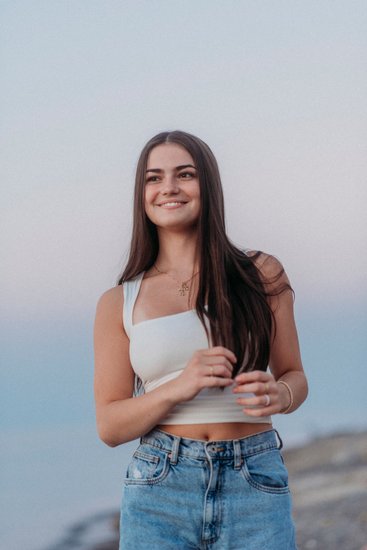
[{"x": 218, "y": 495}]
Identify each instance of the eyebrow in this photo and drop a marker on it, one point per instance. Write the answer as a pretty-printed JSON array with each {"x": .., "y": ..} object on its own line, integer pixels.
[{"x": 159, "y": 170}]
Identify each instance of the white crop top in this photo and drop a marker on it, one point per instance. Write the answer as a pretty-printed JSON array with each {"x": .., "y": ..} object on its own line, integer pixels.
[{"x": 160, "y": 349}]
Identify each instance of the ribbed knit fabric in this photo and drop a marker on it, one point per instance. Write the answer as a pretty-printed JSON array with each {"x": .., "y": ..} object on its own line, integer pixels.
[{"x": 160, "y": 349}]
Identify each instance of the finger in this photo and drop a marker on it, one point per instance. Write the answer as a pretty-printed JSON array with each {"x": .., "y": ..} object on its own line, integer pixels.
[
  {"x": 261, "y": 401},
  {"x": 253, "y": 376},
  {"x": 220, "y": 350},
  {"x": 258, "y": 388},
  {"x": 217, "y": 361},
  {"x": 218, "y": 370},
  {"x": 217, "y": 382}
]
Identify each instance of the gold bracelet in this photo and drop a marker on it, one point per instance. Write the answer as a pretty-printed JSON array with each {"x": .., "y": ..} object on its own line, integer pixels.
[{"x": 287, "y": 409}]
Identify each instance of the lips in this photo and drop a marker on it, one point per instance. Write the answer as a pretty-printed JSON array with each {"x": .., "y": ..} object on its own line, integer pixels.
[{"x": 171, "y": 204}]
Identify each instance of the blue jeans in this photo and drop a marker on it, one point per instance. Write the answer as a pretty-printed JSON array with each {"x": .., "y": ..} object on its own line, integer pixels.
[{"x": 219, "y": 495}]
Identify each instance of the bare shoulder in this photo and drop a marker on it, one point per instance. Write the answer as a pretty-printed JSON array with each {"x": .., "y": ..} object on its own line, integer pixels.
[
  {"x": 113, "y": 374},
  {"x": 111, "y": 297},
  {"x": 267, "y": 263},
  {"x": 270, "y": 267},
  {"x": 110, "y": 304}
]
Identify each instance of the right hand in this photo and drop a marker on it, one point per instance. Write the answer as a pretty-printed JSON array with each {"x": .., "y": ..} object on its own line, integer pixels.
[{"x": 208, "y": 368}]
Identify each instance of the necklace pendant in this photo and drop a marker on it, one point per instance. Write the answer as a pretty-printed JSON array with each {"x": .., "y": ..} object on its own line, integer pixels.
[{"x": 184, "y": 288}]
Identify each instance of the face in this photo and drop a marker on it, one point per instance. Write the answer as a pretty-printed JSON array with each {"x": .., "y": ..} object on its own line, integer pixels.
[{"x": 172, "y": 192}]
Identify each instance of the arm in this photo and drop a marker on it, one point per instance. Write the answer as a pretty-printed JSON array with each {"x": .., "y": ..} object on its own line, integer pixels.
[
  {"x": 122, "y": 417},
  {"x": 285, "y": 359}
]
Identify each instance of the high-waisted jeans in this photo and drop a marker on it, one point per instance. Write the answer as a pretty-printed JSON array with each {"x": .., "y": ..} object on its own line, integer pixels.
[{"x": 219, "y": 495}]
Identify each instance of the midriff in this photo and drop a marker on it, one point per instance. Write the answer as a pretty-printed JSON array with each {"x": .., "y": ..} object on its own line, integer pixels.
[{"x": 216, "y": 431}]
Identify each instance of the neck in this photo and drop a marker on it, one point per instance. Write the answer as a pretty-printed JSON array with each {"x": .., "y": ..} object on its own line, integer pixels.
[{"x": 177, "y": 254}]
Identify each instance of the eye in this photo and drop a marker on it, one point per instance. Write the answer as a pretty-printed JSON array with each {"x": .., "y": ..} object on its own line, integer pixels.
[
  {"x": 152, "y": 179},
  {"x": 187, "y": 175}
]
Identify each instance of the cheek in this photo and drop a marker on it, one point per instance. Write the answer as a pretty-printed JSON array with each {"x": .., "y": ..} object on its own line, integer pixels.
[
  {"x": 196, "y": 191},
  {"x": 196, "y": 194},
  {"x": 148, "y": 197}
]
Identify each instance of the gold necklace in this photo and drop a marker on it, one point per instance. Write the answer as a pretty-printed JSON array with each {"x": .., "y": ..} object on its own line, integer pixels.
[{"x": 184, "y": 284}]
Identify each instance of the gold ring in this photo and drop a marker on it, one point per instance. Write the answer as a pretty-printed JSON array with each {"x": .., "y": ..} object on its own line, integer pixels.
[
  {"x": 266, "y": 387},
  {"x": 211, "y": 371}
]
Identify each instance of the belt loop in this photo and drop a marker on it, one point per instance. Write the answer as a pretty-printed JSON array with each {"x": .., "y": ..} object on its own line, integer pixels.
[
  {"x": 237, "y": 454},
  {"x": 173, "y": 455},
  {"x": 280, "y": 439}
]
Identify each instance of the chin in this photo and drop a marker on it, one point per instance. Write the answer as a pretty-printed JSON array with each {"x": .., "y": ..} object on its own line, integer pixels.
[{"x": 176, "y": 225}]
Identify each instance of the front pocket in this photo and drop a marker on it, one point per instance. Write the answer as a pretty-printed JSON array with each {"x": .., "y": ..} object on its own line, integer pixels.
[
  {"x": 147, "y": 467},
  {"x": 266, "y": 472}
]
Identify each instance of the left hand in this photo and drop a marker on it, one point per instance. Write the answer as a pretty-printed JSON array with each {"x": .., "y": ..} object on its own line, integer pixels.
[{"x": 267, "y": 398}]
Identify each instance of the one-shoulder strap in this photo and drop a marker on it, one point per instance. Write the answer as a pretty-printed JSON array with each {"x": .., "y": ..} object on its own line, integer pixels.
[{"x": 131, "y": 290}]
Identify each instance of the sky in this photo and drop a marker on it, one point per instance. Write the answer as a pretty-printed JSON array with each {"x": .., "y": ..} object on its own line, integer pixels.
[{"x": 276, "y": 88}]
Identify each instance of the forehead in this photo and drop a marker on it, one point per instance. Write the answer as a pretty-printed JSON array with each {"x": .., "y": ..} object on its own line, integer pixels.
[{"x": 168, "y": 155}]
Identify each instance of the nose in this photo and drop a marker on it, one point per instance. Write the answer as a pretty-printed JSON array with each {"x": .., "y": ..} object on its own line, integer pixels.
[{"x": 170, "y": 185}]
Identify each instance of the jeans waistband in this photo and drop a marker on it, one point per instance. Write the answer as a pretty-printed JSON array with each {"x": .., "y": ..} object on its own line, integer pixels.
[{"x": 227, "y": 449}]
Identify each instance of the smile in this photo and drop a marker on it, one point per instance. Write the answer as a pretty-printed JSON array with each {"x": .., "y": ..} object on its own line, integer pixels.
[{"x": 171, "y": 204}]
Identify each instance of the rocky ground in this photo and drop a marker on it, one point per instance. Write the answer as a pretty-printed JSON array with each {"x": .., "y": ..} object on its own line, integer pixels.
[{"x": 328, "y": 479}]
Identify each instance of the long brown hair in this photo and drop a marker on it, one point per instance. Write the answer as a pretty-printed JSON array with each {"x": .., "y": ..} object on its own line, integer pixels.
[{"x": 239, "y": 314}]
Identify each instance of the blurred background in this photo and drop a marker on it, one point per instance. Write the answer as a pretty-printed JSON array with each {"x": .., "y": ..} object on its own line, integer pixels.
[{"x": 277, "y": 90}]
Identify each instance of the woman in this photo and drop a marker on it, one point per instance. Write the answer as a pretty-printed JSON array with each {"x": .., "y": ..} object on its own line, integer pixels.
[{"x": 195, "y": 322}]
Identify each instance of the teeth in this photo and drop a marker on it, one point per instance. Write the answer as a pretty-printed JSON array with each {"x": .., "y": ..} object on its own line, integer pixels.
[{"x": 171, "y": 203}]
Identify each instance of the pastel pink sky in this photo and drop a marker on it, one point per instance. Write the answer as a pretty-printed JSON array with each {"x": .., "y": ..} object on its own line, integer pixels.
[{"x": 276, "y": 89}]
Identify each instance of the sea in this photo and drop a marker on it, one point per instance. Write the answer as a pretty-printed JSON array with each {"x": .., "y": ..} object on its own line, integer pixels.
[{"x": 60, "y": 484}]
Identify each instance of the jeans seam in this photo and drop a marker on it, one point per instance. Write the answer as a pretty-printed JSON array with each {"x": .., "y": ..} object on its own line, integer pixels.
[
  {"x": 151, "y": 481},
  {"x": 261, "y": 450},
  {"x": 264, "y": 488},
  {"x": 260, "y": 487},
  {"x": 145, "y": 456}
]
